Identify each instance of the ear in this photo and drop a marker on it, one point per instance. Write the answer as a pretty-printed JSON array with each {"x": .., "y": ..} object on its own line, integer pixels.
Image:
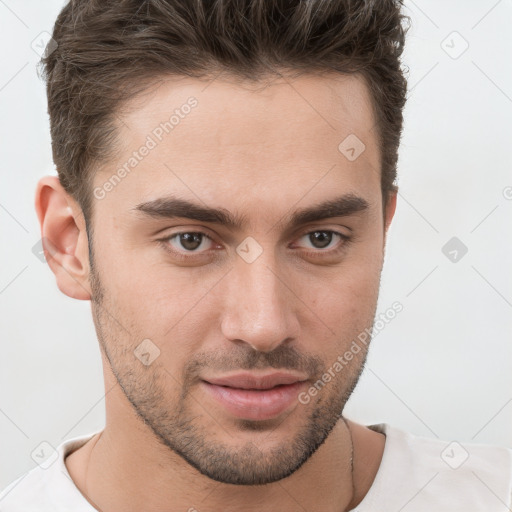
[
  {"x": 390, "y": 210},
  {"x": 64, "y": 237}
]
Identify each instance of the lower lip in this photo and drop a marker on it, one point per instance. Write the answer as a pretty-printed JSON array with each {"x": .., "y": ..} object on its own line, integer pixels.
[{"x": 253, "y": 404}]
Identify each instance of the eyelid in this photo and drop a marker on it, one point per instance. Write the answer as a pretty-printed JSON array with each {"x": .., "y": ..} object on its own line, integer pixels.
[
  {"x": 323, "y": 254},
  {"x": 345, "y": 240},
  {"x": 168, "y": 238}
]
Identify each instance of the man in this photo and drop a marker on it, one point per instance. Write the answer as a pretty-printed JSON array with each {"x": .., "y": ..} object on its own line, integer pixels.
[{"x": 226, "y": 182}]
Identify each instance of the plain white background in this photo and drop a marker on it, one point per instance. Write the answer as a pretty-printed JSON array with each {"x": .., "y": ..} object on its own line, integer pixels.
[{"x": 442, "y": 368}]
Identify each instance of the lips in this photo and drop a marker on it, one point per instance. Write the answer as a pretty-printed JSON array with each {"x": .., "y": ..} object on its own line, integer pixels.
[
  {"x": 251, "y": 381},
  {"x": 255, "y": 397}
]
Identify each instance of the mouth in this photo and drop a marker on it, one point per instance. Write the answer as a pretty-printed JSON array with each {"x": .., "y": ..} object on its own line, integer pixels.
[
  {"x": 255, "y": 397},
  {"x": 255, "y": 381}
]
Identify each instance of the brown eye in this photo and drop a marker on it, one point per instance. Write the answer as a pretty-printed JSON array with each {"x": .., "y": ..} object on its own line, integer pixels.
[
  {"x": 189, "y": 241},
  {"x": 320, "y": 239},
  {"x": 323, "y": 239}
]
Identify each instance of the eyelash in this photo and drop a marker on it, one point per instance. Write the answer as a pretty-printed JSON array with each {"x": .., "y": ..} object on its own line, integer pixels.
[{"x": 187, "y": 255}]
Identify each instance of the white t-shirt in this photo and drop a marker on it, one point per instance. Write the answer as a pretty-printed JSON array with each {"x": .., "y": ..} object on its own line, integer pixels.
[{"x": 416, "y": 474}]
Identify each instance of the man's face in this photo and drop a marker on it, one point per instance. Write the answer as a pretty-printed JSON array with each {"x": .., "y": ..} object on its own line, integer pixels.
[{"x": 180, "y": 302}]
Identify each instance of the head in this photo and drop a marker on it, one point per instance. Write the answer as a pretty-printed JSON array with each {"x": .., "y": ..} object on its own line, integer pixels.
[{"x": 226, "y": 181}]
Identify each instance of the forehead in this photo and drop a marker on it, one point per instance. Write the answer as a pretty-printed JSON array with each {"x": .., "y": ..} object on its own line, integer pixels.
[
  {"x": 218, "y": 138},
  {"x": 241, "y": 112}
]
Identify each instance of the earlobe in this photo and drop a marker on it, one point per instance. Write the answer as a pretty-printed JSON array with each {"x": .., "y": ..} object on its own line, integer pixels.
[{"x": 64, "y": 237}]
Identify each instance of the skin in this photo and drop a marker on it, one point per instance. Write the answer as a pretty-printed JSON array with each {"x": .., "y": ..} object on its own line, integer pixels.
[{"x": 260, "y": 153}]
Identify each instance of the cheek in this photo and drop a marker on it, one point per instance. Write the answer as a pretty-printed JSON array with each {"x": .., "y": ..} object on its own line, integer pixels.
[
  {"x": 347, "y": 309},
  {"x": 348, "y": 289},
  {"x": 170, "y": 306},
  {"x": 345, "y": 302}
]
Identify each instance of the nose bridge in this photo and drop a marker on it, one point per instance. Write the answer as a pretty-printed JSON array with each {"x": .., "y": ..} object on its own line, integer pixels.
[{"x": 260, "y": 309}]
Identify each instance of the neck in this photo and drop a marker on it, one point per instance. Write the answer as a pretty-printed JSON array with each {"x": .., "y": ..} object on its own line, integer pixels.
[{"x": 125, "y": 469}]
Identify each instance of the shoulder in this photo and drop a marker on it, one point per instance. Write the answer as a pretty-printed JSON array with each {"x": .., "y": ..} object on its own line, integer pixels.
[
  {"x": 26, "y": 491},
  {"x": 48, "y": 486},
  {"x": 444, "y": 474}
]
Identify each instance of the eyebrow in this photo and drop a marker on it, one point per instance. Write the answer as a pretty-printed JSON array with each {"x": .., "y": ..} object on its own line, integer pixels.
[{"x": 173, "y": 207}]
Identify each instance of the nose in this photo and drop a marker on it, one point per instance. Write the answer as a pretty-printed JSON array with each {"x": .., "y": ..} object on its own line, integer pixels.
[{"x": 260, "y": 306}]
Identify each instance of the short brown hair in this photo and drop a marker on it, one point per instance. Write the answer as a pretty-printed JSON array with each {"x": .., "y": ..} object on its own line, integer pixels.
[{"x": 108, "y": 51}]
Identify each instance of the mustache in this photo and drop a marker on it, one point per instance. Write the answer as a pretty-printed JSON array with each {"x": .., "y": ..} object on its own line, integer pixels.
[{"x": 243, "y": 357}]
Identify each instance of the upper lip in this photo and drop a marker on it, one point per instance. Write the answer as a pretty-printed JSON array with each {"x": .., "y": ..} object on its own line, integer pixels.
[{"x": 252, "y": 381}]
